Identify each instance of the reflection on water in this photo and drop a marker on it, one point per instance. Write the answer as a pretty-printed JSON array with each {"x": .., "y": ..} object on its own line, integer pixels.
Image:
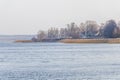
[{"x": 57, "y": 61}]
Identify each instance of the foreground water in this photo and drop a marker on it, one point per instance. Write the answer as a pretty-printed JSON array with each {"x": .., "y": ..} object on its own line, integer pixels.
[{"x": 57, "y": 61}]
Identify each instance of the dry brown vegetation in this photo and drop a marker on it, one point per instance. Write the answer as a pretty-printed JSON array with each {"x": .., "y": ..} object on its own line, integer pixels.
[
  {"x": 117, "y": 40},
  {"x": 23, "y": 41}
]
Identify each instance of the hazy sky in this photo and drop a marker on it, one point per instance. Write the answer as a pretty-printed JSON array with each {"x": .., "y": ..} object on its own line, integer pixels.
[{"x": 29, "y": 16}]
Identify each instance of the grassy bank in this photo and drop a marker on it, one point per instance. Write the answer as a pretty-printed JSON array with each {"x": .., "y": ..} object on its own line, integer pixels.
[{"x": 115, "y": 40}]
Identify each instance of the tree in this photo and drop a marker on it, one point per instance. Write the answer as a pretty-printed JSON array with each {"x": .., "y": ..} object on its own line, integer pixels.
[
  {"x": 63, "y": 33},
  {"x": 53, "y": 33},
  {"x": 116, "y": 32},
  {"x": 41, "y": 35},
  {"x": 91, "y": 29},
  {"x": 100, "y": 31},
  {"x": 34, "y": 39},
  {"x": 118, "y": 24},
  {"x": 109, "y": 28},
  {"x": 73, "y": 30}
]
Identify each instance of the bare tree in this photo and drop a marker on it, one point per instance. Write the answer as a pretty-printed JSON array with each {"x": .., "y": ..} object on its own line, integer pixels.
[
  {"x": 100, "y": 30},
  {"x": 53, "y": 33},
  {"x": 73, "y": 30},
  {"x": 91, "y": 28},
  {"x": 82, "y": 30},
  {"x": 116, "y": 32},
  {"x": 63, "y": 33},
  {"x": 41, "y": 35},
  {"x": 118, "y": 24}
]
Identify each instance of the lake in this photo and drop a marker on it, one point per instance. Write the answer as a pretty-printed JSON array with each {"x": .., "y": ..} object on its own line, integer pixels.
[{"x": 58, "y": 61}]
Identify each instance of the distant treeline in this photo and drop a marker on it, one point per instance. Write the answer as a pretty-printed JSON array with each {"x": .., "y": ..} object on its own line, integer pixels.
[{"x": 89, "y": 29}]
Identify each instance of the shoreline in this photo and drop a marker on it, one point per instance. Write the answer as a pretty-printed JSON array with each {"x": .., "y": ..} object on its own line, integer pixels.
[
  {"x": 105, "y": 40},
  {"x": 23, "y": 41}
]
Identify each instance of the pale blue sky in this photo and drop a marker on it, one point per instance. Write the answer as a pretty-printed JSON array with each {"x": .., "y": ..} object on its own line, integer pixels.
[{"x": 29, "y": 16}]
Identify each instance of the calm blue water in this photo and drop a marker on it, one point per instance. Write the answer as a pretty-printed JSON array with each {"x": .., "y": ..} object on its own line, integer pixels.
[{"x": 57, "y": 61}]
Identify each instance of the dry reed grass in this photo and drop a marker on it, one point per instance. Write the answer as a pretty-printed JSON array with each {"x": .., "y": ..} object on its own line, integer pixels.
[
  {"x": 23, "y": 41},
  {"x": 116, "y": 40}
]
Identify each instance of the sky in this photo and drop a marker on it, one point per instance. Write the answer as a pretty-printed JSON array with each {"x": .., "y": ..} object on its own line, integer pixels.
[{"x": 18, "y": 17}]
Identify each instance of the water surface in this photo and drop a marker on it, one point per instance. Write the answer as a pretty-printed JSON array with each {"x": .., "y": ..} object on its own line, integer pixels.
[{"x": 58, "y": 61}]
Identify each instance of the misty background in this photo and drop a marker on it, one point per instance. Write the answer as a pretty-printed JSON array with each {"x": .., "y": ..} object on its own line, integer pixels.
[{"x": 29, "y": 16}]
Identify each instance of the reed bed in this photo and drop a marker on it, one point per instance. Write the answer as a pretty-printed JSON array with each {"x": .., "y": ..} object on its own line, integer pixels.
[
  {"x": 116, "y": 40},
  {"x": 23, "y": 41}
]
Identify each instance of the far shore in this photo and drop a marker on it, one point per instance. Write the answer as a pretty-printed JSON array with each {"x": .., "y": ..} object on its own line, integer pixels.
[
  {"x": 23, "y": 41},
  {"x": 104, "y": 40}
]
